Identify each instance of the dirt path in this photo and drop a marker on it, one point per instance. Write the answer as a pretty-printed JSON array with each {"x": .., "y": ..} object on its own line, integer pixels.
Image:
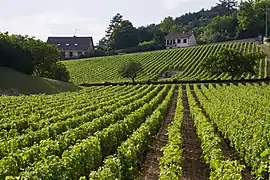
[
  {"x": 150, "y": 167},
  {"x": 228, "y": 151},
  {"x": 194, "y": 167}
]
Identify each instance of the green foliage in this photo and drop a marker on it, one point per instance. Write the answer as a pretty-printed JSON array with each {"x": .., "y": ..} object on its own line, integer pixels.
[
  {"x": 106, "y": 69},
  {"x": 221, "y": 167},
  {"x": 251, "y": 16},
  {"x": 232, "y": 62},
  {"x": 221, "y": 28},
  {"x": 31, "y": 56},
  {"x": 59, "y": 72},
  {"x": 13, "y": 54},
  {"x": 130, "y": 70},
  {"x": 241, "y": 119},
  {"x": 124, "y": 35},
  {"x": 129, "y": 157},
  {"x": 168, "y": 25},
  {"x": 171, "y": 162}
]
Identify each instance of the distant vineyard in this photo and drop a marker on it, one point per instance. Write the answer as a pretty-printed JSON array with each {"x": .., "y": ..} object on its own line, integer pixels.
[
  {"x": 105, "y": 132},
  {"x": 185, "y": 62}
]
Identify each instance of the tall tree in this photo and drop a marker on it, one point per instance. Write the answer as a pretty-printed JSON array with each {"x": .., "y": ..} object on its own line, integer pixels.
[
  {"x": 114, "y": 22},
  {"x": 167, "y": 24},
  {"x": 221, "y": 28},
  {"x": 124, "y": 35},
  {"x": 251, "y": 16}
]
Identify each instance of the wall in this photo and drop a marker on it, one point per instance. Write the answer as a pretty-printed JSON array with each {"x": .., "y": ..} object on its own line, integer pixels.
[
  {"x": 75, "y": 53},
  {"x": 192, "y": 41}
]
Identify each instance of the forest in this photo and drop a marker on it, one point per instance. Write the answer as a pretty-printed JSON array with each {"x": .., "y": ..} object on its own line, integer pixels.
[{"x": 227, "y": 20}]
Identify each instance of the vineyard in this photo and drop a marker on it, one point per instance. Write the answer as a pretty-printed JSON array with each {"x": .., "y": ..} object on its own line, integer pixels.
[
  {"x": 185, "y": 62},
  {"x": 138, "y": 132}
]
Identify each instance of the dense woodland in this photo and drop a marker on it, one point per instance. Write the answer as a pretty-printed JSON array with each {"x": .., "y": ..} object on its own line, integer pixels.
[{"x": 227, "y": 20}]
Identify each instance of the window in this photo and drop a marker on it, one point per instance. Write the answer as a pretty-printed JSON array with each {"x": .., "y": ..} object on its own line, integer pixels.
[
  {"x": 168, "y": 42},
  {"x": 76, "y": 44},
  {"x": 178, "y": 41},
  {"x": 67, "y": 44},
  {"x": 58, "y": 44},
  {"x": 174, "y": 41},
  {"x": 185, "y": 41}
]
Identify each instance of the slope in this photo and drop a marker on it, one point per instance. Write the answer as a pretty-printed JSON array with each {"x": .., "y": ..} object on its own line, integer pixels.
[
  {"x": 185, "y": 62},
  {"x": 12, "y": 80}
]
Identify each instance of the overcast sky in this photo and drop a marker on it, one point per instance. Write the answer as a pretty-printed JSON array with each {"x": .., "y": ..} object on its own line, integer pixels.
[{"x": 41, "y": 18}]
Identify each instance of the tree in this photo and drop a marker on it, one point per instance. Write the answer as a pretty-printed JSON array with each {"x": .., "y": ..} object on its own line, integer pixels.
[
  {"x": 130, "y": 70},
  {"x": 232, "y": 62},
  {"x": 251, "y": 16},
  {"x": 124, "y": 35},
  {"x": 167, "y": 24},
  {"x": 117, "y": 19},
  {"x": 31, "y": 56},
  {"x": 221, "y": 28}
]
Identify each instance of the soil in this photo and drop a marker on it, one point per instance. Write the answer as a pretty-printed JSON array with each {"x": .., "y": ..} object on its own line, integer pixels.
[
  {"x": 150, "y": 167},
  {"x": 194, "y": 167}
]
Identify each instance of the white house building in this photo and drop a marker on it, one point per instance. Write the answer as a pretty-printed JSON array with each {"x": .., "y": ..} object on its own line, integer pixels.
[{"x": 177, "y": 40}]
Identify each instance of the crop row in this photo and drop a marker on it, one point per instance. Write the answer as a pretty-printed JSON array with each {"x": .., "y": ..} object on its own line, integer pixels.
[
  {"x": 185, "y": 61},
  {"x": 80, "y": 150},
  {"x": 243, "y": 118}
]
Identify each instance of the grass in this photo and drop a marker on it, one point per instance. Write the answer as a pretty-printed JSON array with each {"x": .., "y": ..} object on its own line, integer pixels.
[{"x": 25, "y": 84}]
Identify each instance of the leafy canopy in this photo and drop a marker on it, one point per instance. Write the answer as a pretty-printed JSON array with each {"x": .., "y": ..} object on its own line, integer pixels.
[
  {"x": 130, "y": 70},
  {"x": 232, "y": 62}
]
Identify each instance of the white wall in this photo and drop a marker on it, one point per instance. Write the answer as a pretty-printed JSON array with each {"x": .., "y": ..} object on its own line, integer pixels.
[
  {"x": 182, "y": 44},
  {"x": 192, "y": 41}
]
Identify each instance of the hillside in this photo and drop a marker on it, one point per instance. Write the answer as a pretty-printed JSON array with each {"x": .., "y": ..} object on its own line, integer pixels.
[
  {"x": 184, "y": 61},
  {"x": 24, "y": 84}
]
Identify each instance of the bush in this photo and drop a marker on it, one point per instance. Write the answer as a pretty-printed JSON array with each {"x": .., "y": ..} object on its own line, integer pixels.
[
  {"x": 14, "y": 55},
  {"x": 60, "y": 72},
  {"x": 31, "y": 56}
]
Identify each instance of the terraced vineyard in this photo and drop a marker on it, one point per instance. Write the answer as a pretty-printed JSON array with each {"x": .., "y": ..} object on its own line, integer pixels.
[
  {"x": 214, "y": 131},
  {"x": 185, "y": 61}
]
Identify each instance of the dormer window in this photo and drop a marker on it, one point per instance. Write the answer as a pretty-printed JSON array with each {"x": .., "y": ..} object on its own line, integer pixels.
[
  {"x": 76, "y": 44},
  {"x": 67, "y": 44},
  {"x": 58, "y": 44}
]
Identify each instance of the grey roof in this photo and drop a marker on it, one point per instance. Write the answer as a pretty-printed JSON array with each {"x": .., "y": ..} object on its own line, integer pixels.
[
  {"x": 175, "y": 35},
  {"x": 72, "y": 43}
]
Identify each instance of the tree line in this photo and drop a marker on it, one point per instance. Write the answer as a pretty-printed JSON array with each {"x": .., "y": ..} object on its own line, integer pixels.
[
  {"x": 227, "y": 20},
  {"x": 31, "y": 56}
]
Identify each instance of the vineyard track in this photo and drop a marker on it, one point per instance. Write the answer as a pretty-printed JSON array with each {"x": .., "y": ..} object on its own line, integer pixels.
[
  {"x": 228, "y": 152},
  {"x": 150, "y": 167},
  {"x": 193, "y": 165}
]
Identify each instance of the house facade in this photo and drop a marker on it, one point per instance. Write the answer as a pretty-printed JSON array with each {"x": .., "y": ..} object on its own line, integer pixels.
[
  {"x": 177, "y": 40},
  {"x": 73, "y": 47}
]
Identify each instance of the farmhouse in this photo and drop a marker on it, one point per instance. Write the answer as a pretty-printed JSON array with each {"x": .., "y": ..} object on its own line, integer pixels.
[
  {"x": 73, "y": 47},
  {"x": 175, "y": 40}
]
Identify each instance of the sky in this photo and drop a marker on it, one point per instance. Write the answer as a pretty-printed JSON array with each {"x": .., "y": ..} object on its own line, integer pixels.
[{"x": 41, "y": 18}]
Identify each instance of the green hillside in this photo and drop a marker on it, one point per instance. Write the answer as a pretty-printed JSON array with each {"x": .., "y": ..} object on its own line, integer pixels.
[
  {"x": 184, "y": 61},
  {"x": 24, "y": 84}
]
